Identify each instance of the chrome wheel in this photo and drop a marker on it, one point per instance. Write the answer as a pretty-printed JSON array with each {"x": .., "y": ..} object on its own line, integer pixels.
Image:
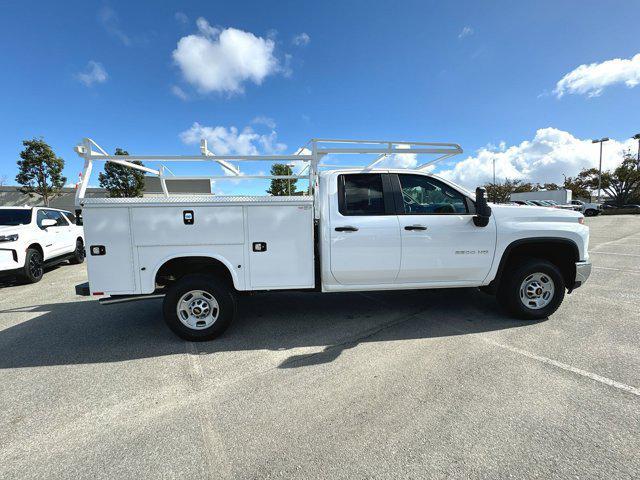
[
  {"x": 537, "y": 290},
  {"x": 35, "y": 265},
  {"x": 197, "y": 309}
]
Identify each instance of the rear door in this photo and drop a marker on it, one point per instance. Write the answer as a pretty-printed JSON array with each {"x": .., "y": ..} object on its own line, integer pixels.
[
  {"x": 64, "y": 238},
  {"x": 365, "y": 236},
  {"x": 440, "y": 242}
]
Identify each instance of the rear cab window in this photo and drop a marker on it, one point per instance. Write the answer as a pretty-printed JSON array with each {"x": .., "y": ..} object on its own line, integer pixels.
[{"x": 361, "y": 194}]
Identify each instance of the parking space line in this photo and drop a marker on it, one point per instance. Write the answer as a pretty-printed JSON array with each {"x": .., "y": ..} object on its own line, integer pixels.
[
  {"x": 616, "y": 269},
  {"x": 615, "y": 253},
  {"x": 569, "y": 368}
]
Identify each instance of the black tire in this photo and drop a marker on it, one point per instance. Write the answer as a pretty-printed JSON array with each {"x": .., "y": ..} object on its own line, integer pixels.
[
  {"x": 33, "y": 269},
  {"x": 78, "y": 253},
  {"x": 509, "y": 290},
  {"x": 221, "y": 294},
  {"x": 590, "y": 212}
]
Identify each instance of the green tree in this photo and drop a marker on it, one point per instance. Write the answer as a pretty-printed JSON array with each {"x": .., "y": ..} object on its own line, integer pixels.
[
  {"x": 578, "y": 186},
  {"x": 500, "y": 192},
  {"x": 122, "y": 181},
  {"x": 39, "y": 170},
  {"x": 282, "y": 187},
  {"x": 621, "y": 184}
]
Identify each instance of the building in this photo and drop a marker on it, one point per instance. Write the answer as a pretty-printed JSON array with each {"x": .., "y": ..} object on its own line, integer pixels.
[{"x": 11, "y": 196}]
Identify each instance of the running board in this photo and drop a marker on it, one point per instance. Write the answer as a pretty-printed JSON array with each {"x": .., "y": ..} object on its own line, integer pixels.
[{"x": 128, "y": 298}]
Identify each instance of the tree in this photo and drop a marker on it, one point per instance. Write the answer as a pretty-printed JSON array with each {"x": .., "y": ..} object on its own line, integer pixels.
[
  {"x": 621, "y": 184},
  {"x": 578, "y": 186},
  {"x": 121, "y": 181},
  {"x": 39, "y": 170},
  {"x": 282, "y": 187},
  {"x": 501, "y": 192}
]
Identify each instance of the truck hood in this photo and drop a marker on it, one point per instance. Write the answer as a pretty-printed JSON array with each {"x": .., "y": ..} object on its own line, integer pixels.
[
  {"x": 546, "y": 214},
  {"x": 9, "y": 230}
]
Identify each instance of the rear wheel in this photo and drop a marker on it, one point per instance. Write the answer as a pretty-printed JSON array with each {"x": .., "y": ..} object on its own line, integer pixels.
[
  {"x": 590, "y": 212},
  {"x": 199, "y": 307},
  {"x": 532, "y": 289},
  {"x": 78, "y": 253},
  {"x": 33, "y": 269}
]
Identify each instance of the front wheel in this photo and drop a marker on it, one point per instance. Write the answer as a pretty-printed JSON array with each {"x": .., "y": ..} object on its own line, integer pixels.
[
  {"x": 199, "y": 307},
  {"x": 532, "y": 290},
  {"x": 590, "y": 213},
  {"x": 33, "y": 269}
]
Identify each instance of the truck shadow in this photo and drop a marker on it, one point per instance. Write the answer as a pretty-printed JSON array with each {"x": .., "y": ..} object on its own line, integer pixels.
[{"x": 87, "y": 332}]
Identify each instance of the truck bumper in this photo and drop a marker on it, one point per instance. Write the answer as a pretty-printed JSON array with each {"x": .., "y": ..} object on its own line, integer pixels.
[{"x": 583, "y": 270}]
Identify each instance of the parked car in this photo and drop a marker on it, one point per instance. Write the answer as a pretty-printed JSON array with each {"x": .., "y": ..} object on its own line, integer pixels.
[
  {"x": 34, "y": 237},
  {"x": 359, "y": 229},
  {"x": 631, "y": 206},
  {"x": 588, "y": 209}
]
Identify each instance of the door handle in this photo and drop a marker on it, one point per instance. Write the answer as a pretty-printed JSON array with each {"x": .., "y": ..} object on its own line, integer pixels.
[
  {"x": 346, "y": 229},
  {"x": 415, "y": 227}
]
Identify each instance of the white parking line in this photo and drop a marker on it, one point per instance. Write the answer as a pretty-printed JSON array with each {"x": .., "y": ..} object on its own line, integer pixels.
[
  {"x": 616, "y": 269},
  {"x": 568, "y": 368},
  {"x": 614, "y": 253}
]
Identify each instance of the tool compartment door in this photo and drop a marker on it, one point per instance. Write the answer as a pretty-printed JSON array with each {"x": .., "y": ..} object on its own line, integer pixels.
[{"x": 280, "y": 243}]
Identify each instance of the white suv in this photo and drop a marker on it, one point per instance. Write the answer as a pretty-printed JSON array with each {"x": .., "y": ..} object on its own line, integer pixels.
[{"x": 32, "y": 237}]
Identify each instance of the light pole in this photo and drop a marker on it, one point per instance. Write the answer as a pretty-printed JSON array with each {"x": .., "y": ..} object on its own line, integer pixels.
[
  {"x": 637, "y": 137},
  {"x": 600, "y": 141}
]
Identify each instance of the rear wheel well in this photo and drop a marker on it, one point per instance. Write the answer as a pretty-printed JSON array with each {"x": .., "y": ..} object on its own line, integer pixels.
[
  {"x": 176, "y": 268},
  {"x": 563, "y": 254}
]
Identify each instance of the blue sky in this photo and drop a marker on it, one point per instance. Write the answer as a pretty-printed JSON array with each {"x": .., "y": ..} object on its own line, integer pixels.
[{"x": 483, "y": 74}]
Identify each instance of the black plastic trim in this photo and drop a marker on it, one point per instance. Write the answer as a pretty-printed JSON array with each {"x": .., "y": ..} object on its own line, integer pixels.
[{"x": 531, "y": 241}]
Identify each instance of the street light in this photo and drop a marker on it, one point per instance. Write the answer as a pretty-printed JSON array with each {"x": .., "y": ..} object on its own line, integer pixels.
[
  {"x": 600, "y": 141},
  {"x": 637, "y": 137}
]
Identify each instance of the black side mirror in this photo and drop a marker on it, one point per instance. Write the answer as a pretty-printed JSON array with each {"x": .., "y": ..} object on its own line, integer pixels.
[{"x": 483, "y": 210}]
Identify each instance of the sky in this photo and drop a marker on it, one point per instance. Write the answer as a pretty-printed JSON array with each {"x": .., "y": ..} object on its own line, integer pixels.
[{"x": 524, "y": 84}]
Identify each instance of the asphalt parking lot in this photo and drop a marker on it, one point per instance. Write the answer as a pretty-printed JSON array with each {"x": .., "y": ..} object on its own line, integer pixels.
[{"x": 378, "y": 385}]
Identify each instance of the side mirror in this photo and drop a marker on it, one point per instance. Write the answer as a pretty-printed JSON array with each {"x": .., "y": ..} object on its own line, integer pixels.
[
  {"x": 48, "y": 222},
  {"x": 483, "y": 210}
]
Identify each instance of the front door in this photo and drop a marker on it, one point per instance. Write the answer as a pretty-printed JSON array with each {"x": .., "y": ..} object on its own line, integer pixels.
[
  {"x": 365, "y": 236},
  {"x": 440, "y": 242}
]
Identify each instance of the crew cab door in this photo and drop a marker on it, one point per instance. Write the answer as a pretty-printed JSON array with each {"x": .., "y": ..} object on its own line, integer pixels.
[
  {"x": 440, "y": 242},
  {"x": 364, "y": 235}
]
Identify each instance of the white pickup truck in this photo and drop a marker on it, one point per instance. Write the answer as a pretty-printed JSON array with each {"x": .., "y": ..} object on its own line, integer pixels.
[
  {"x": 33, "y": 237},
  {"x": 360, "y": 229}
]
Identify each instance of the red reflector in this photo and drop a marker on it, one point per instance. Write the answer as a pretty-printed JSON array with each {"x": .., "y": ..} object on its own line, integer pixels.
[{"x": 98, "y": 293}]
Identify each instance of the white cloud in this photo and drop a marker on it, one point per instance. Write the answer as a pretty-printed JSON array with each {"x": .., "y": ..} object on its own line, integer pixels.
[
  {"x": 179, "y": 92},
  {"x": 592, "y": 79},
  {"x": 544, "y": 159},
  {"x": 301, "y": 39},
  {"x": 94, "y": 73},
  {"x": 109, "y": 20},
  {"x": 181, "y": 18},
  {"x": 465, "y": 32},
  {"x": 215, "y": 60},
  {"x": 266, "y": 121},
  {"x": 232, "y": 141}
]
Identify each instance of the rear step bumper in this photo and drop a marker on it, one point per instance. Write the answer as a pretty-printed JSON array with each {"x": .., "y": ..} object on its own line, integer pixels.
[{"x": 83, "y": 289}]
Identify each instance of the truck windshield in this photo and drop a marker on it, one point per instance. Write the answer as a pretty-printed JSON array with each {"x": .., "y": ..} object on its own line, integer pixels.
[{"x": 17, "y": 216}]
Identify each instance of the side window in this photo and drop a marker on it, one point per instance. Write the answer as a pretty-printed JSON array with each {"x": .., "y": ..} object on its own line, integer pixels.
[
  {"x": 70, "y": 216},
  {"x": 361, "y": 194},
  {"x": 426, "y": 195},
  {"x": 40, "y": 216},
  {"x": 58, "y": 217}
]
